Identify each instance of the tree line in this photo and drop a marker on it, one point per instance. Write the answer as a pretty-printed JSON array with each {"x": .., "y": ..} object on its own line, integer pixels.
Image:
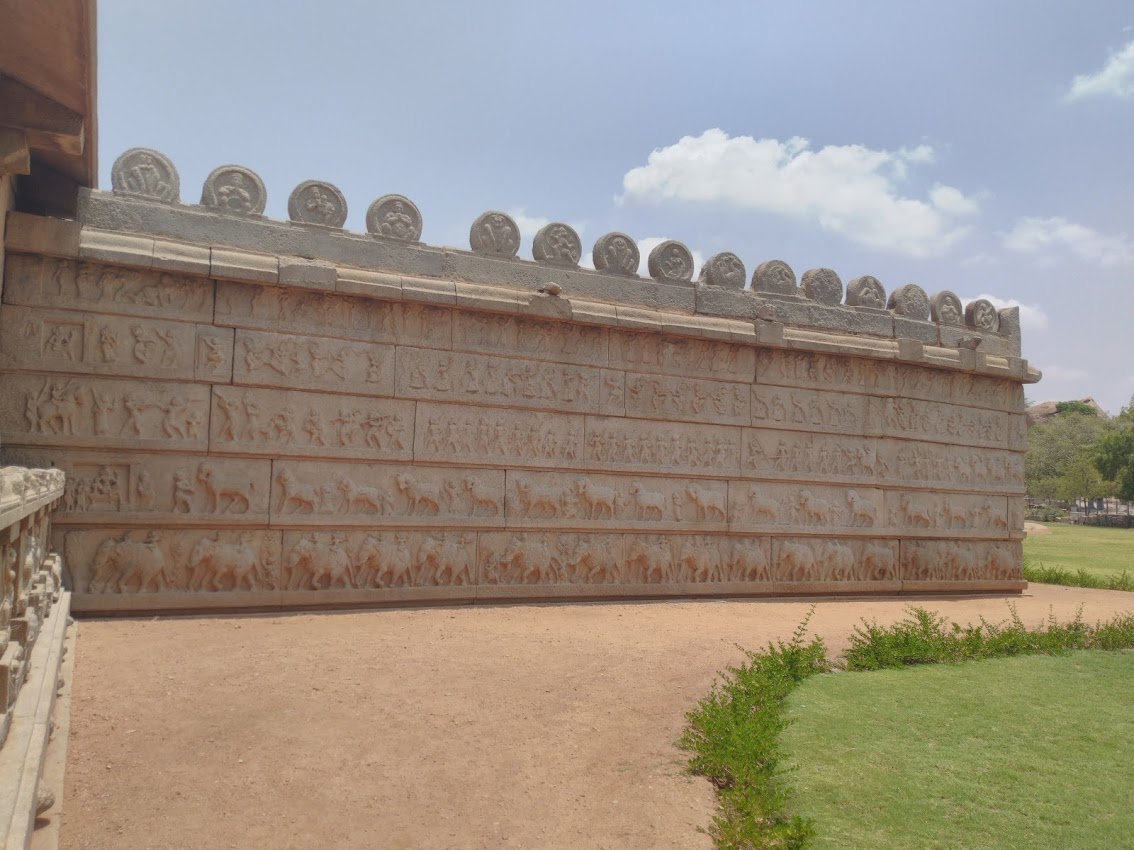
[{"x": 1079, "y": 454}]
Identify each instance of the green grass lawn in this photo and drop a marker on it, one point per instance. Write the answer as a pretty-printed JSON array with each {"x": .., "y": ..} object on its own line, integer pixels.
[
  {"x": 1002, "y": 754},
  {"x": 1099, "y": 551}
]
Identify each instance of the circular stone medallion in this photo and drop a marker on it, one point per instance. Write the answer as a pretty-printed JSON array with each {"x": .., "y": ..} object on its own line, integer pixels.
[
  {"x": 395, "y": 217},
  {"x": 557, "y": 244},
  {"x": 495, "y": 233},
  {"x": 670, "y": 261},
  {"x": 774, "y": 276},
  {"x": 235, "y": 189},
  {"x": 616, "y": 253},
  {"x": 314, "y": 202},
  {"x": 823, "y": 286},
  {"x": 724, "y": 270},
  {"x": 909, "y": 301},
  {"x": 866, "y": 291},
  {"x": 945, "y": 307},
  {"x": 982, "y": 315},
  {"x": 145, "y": 173}
]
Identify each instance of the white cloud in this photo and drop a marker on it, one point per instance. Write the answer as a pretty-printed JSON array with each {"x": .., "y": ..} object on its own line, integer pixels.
[
  {"x": 847, "y": 189},
  {"x": 1037, "y": 235},
  {"x": 1032, "y": 316},
  {"x": 1116, "y": 78},
  {"x": 650, "y": 242},
  {"x": 979, "y": 260}
]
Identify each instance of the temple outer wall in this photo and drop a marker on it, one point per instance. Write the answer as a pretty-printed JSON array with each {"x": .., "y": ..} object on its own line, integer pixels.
[{"x": 244, "y": 430}]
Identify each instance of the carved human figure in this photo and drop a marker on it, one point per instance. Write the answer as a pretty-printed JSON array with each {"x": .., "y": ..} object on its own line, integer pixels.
[
  {"x": 724, "y": 270},
  {"x": 616, "y": 253},
  {"x": 495, "y": 233},
  {"x": 394, "y": 217},
  {"x": 145, "y": 173},
  {"x": 557, "y": 244}
]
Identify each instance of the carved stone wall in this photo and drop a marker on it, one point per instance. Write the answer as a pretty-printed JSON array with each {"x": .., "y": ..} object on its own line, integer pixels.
[{"x": 393, "y": 422}]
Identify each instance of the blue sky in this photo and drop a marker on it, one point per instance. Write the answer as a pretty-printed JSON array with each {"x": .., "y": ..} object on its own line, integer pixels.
[{"x": 979, "y": 147}]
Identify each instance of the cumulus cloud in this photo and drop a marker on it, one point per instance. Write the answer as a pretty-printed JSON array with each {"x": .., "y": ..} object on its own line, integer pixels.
[
  {"x": 1040, "y": 235},
  {"x": 851, "y": 190},
  {"x": 650, "y": 242},
  {"x": 1032, "y": 316},
  {"x": 1115, "y": 79}
]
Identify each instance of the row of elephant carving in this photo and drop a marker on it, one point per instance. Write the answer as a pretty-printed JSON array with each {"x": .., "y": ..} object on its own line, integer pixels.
[{"x": 161, "y": 560}]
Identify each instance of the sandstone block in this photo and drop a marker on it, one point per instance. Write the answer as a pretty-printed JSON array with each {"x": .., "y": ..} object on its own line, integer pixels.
[
  {"x": 497, "y": 436},
  {"x": 311, "y": 362}
]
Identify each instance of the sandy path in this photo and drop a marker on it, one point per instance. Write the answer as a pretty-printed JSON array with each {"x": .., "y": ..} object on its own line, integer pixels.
[{"x": 527, "y": 726}]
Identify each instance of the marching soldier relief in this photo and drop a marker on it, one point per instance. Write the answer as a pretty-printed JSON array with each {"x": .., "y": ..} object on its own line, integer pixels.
[{"x": 254, "y": 413}]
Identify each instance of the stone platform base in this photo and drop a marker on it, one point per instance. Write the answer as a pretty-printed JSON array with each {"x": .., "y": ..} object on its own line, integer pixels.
[
  {"x": 203, "y": 603},
  {"x": 32, "y": 721}
]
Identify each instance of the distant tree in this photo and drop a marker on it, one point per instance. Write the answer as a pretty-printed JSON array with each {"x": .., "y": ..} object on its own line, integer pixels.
[
  {"x": 1057, "y": 449},
  {"x": 1114, "y": 453},
  {"x": 1075, "y": 407}
]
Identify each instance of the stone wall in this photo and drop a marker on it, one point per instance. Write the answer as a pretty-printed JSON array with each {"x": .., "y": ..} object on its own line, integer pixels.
[{"x": 255, "y": 413}]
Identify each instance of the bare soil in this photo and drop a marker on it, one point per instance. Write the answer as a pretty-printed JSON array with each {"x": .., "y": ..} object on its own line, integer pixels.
[
  {"x": 1036, "y": 529},
  {"x": 536, "y": 726}
]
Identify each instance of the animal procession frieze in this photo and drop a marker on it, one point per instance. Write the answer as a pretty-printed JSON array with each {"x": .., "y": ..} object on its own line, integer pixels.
[
  {"x": 316, "y": 363},
  {"x": 615, "y": 501},
  {"x": 384, "y": 494},
  {"x": 269, "y": 421},
  {"x": 950, "y": 514},
  {"x": 161, "y": 560},
  {"x": 88, "y": 343},
  {"x": 674, "y": 355},
  {"x": 835, "y": 560},
  {"x": 314, "y": 312},
  {"x": 952, "y": 467},
  {"x": 477, "y": 378},
  {"x": 698, "y": 400},
  {"x": 522, "y": 558},
  {"x": 23, "y": 482},
  {"x": 104, "y": 413},
  {"x": 904, "y": 417},
  {"x": 483, "y": 435},
  {"x": 810, "y": 410},
  {"x": 771, "y": 505},
  {"x": 774, "y": 454},
  {"x": 961, "y": 560},
  {"x": 366, "y": 560},
  {"x": 73, "y": 284},
  {"x": 516, "y": 336},
  {"x": 633, "y": 445}
]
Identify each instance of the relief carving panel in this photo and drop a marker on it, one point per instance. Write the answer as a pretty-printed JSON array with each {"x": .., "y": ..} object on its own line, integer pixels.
[
  {"x": 360, "y": 560},
  {"x": 303, "y": 311},
  {"x": 810, "y": 457},
  {"x": 668, "y": 448},
  {"x": 315, "y": 363},
  {"x": 278, "y": 422},
  {"x": 904, "y": 462},
  {"x": 482, "y": 435},
  {"x": 673, "y": 355},
  {"x": 817, "y": 508},
  {"x": 571, "y": 500},
  {"x": 658, "y": 397},
  {"x": 323, "y": 494},
  {"x": 967, "y": 560},
  {"x": 156, "y": 560},
  {"x": 104, "y": 413},
  {"x": 473, "y": 378},
  {"x": 72, "y": 284},
  {"x": 511, "y": 335},
  {"x": 808, "y": 410},
  {"x": 73, "y": 342},
  {"x": 802, "y": 561},
  {"x": 950, "y": 514},
  {"x": 903, "y": 417}
]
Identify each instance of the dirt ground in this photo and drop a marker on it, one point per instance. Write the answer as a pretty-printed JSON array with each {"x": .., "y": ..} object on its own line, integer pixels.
[
  {"x": 537, "y": 726},
  {"x": 1035, "y": 528}
]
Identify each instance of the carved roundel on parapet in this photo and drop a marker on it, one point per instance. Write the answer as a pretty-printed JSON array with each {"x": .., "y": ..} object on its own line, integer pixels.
[
  {"x": 616, "y": 253},
  {"x": 236, "y": 189},
  {"x": 495, "y": 233},
  {"x": 724, "y": 270},
  {"x": 145, "y": 173},
  {"x": 557, "y": 244},
  {"x": 394, "y": 217},
  {"x": 776, "y": 277},
  {"x": 670, "y": 261},
  {"x": 866, "y": 291},
  {"x": 314, "y": 202},
  {"x": 945, "y": 307},
  {"x": 910, "y": 302},
  {"x": 982, "y": 315},
  {"x": 823, "y": 286}
]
